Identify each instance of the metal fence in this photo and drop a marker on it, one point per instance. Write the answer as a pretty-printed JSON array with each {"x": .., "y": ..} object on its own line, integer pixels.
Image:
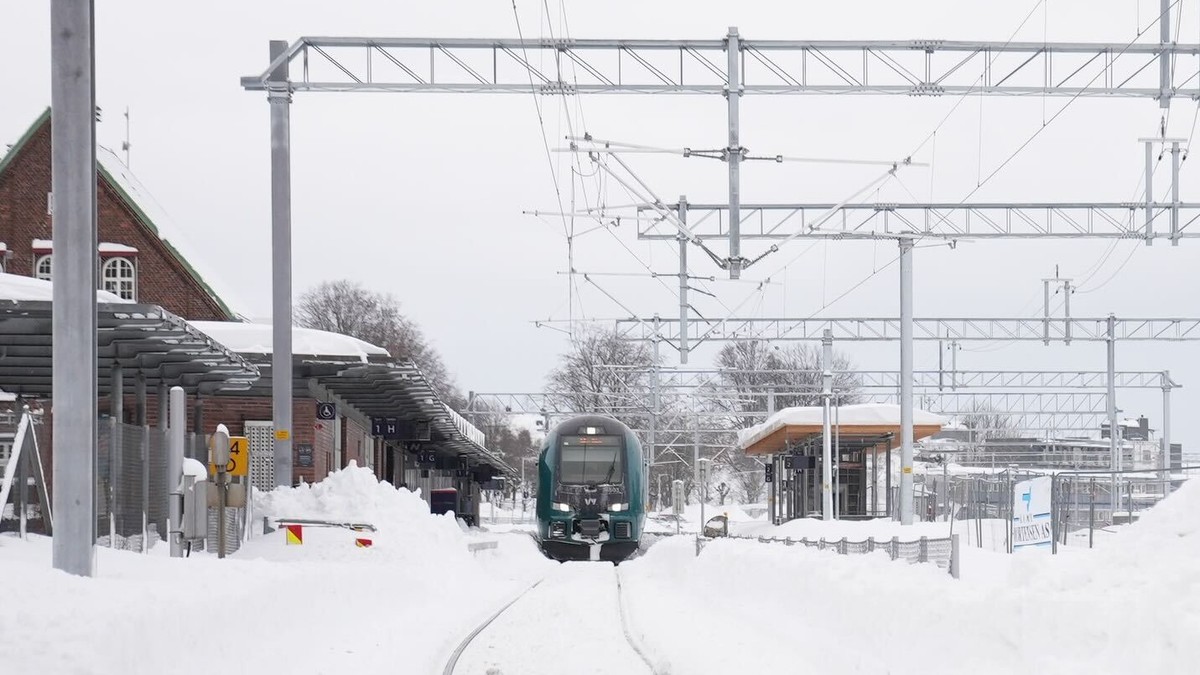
[
  {"x": 939, "y": 551},
  {"x": 131, "y": 494},
  {"x": 1083, "y": 502}
]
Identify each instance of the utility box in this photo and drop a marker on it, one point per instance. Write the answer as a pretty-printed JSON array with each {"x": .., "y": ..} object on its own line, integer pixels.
[{"x": 195, "y": 508}]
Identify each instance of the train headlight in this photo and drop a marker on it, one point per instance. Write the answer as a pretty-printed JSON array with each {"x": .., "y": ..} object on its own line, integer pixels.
[
  {"x": 566, "y": 508},
  {"x": 618, "y": 507}
]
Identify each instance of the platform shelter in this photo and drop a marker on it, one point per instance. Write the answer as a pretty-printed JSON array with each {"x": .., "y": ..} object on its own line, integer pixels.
[{"x": 865, "y": 472}]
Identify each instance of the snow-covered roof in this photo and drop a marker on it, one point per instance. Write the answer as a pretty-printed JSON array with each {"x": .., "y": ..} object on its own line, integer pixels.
[
  {"x": 864, "y": 415},
  {"x": 156, "y": 218},
  {"x": 15, "y": 287},
  {"x": 148, "y": 210},
  {"x": 257, "y": 338}
]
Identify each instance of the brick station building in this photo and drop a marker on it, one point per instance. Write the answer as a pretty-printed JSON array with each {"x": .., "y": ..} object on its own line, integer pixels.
[
  {"x": 141, "y": 260},
  {"x": 141, "y": 257}
]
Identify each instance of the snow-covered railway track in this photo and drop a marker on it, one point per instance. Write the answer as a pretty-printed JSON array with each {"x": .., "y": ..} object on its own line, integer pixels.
[{"x": 573, "y": 620}]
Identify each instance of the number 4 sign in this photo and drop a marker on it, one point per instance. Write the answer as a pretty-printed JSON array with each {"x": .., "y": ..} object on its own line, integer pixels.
[{"x": 239, "y": 457}]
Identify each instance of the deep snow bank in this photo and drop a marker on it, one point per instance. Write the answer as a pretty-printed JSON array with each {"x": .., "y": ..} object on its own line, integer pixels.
[
  {"x": 323, "y": 607},
  {"x": 406, "y": 531},
  {"x": 750, "y": 607}
]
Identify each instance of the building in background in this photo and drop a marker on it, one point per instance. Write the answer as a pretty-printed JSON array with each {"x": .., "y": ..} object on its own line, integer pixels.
[{"x": 141, "y": 253}]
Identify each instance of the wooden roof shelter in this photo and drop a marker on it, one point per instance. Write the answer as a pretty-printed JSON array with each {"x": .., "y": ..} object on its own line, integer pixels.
[{"x": 875, "y": 426}]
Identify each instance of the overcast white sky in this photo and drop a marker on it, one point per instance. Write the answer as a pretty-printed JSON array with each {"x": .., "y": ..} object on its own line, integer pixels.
[{"x": 421, "y": 195}]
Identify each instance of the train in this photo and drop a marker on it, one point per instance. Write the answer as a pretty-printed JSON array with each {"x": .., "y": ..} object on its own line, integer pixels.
[{"x": 591, "y": 491}]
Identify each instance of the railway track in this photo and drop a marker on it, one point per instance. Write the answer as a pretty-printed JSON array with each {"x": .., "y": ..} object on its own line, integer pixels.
[{"x": 561, "y": 623}]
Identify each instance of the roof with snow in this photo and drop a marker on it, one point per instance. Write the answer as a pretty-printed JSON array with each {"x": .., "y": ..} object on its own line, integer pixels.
[
  {"x": 144, "y": 340},
  {"x": 257, "y": 338},
  {"x": 15, "y": 287},
  {"x": 147, "y": 210},
  {"x": 366, "y": 378},
  {"x": 879, "y": 422}
]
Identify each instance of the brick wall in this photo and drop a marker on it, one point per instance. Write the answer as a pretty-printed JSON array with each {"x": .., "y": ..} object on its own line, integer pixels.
[
  {"x": 355, "y": 443},
  {"x": 161, "y": 278}
]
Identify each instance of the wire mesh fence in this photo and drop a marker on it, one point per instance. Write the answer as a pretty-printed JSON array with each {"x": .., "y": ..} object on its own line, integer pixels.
[
  {"x": 131, "y": 494},
  {"x": 131, "y": 489},
  {"x": 1082, "y": 503}
]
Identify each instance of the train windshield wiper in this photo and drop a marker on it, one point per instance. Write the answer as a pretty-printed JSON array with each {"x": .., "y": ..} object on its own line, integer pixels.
[{"x": 611, "y": 468}]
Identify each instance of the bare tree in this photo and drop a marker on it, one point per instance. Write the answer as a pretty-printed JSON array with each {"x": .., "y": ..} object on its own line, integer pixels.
[
  {"x": 983, "y": 421},
  {"x": 752, "y": 369},
  {"x": 348, "y": 308},
  {"x": 606, "y": 374},
  {"x": 513, "y": 444}
]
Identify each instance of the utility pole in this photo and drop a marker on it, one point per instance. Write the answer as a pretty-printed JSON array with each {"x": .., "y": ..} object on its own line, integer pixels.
[
  {"x": 733, "y": 94},
  {"x": 906, "y": 382},
  {"x": 826, "y": 431},
  {"x": 1165, "y": 436},
  {"x": 683, "y": 283},
  {"x": 1065, "y": 286},
  {"x": 73, "y": 185},
  {"x": 1164, "y": 60},
  {"x": 696, "y": 445},
  {"x": 1113, "y": 442},
  {"x": 279, "y": 96}
]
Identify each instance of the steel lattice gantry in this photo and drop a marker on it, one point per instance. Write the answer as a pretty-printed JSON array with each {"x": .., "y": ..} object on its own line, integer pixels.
[
  {"x": 595, "y": 66},
  {"x": 945, "y": 221},
  {"x": 888, "y": 329}
]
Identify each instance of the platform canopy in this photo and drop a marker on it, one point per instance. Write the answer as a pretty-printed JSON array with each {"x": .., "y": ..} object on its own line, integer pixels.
[
  {"x": 873, "y": 425},
  {"x": 144, "y": 340},
  {"x": 366, "y": 378}
]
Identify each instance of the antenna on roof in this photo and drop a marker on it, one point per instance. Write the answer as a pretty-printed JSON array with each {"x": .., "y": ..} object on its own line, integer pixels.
[{"x": 125, "y": 144}]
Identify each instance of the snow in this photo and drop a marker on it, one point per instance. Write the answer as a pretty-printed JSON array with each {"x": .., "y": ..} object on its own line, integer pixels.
[
  {"x": 543, "y": 635},
  {"x": 1129, "y": 606},
  {"x": 257, "y": 338},
  {"x": 194, "y": 468},
  {"x": 110, "y": 247},
  {"x": 872, "y": 414},
  {"x": 740, "y": 606},
  {"x": 323, "y": 607},
  {"x": 18, "y": 288}
]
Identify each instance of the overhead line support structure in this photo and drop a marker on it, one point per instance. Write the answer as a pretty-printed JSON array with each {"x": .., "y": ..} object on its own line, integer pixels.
[
  {"x": 945, "y": 221},
  {"x": 1075, "y": 329},
  {"x": 899, "y": 67}
]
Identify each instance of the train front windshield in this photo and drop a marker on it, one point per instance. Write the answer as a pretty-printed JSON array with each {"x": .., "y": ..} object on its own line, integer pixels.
[{"x": 591, "y": 460}]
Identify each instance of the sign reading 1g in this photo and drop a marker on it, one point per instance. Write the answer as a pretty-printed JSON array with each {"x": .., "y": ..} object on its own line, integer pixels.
[{"x": 239, "y": 457}]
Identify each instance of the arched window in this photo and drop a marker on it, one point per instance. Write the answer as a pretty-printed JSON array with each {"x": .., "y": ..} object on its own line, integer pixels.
[
  {"x": 119, "y": 277},
  {"x": 44, "y": 268}
]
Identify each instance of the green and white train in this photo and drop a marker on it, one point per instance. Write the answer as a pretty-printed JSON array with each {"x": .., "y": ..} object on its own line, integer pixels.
[{"x": 591, "y": 487}]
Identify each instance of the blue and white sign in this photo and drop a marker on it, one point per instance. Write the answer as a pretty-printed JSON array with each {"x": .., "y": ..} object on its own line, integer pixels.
[{"x": 1031, "y": 513}]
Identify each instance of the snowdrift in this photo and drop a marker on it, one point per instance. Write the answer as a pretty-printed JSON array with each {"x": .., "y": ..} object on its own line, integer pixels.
[
  {"x": 322, "y": 607},
  {"x": 407, "y": 532},
  {"x": 1129, "y": 607}
]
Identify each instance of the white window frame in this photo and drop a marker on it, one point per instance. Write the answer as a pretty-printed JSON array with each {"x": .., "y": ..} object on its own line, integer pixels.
[
  {"x": 47, "y": 258},
  {"x": 118, "y": 281}
]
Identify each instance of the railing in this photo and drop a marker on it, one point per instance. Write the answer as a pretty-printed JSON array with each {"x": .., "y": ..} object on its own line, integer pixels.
[{"x": 940, "y": 551}]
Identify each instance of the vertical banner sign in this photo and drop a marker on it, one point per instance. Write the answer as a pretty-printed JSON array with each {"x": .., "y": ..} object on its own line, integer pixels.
[{"x": 1031, "y": 513}]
